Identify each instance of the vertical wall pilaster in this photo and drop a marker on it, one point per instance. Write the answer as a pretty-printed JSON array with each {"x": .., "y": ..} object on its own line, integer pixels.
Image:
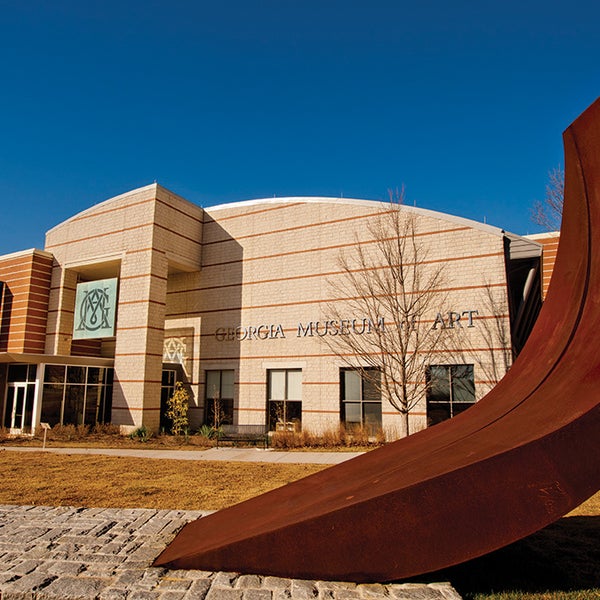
[
  {"x": 140, "y": 237},
  {"x": 140, "y": 333},
  {"x": 61, "y": 310}
]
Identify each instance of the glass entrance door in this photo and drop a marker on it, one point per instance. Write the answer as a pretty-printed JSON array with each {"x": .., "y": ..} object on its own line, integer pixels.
[{"x": 19, "y": 408}]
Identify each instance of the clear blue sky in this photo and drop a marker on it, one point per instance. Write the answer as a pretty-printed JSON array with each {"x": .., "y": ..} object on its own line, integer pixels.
[{"x": 463, "y": 102}]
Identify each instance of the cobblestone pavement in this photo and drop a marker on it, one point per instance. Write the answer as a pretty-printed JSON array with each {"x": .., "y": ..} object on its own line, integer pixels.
[{"x": 65, "y": 553}]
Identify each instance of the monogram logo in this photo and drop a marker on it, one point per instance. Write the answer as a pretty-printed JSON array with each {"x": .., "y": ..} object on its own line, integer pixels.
[
  {"x": 94, "y": 310},
  {"x": 174, "y": 350}
]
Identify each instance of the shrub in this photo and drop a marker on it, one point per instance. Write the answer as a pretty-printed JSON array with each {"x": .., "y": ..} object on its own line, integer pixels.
[
  {"x": 141, "y": 434},
  {"x": 208, "y": 432},
  {"x": 284, "y": 439},
  {"x": 334, "y": 437},
  {"x": 331, "y": 438},
  {"x": 66, "y": 433},
  {"x": 106, "y": 429},
  {"x": 177, "y": 409}
]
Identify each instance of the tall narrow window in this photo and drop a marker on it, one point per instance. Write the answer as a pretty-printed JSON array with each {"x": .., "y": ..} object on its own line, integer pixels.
[
  {"x": 284, "y": 399},
  {"x": 218, "y": 397},
  {"x": 450, "y": 391},
  {"x": 360, "y": 399},
  {"x": 20, "y": 393},
  {"x": 167, "y": 388}
]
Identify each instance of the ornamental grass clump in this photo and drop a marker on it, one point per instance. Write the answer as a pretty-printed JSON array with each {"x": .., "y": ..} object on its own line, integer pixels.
[
  {"x": 177, "y": 409},
  {"x": 142, "y": 434},
  {"x": 357, "y": 437}
]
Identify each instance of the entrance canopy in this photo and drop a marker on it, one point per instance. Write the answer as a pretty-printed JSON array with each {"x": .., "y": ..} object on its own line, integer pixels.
[{"x": 55, "y": 359}]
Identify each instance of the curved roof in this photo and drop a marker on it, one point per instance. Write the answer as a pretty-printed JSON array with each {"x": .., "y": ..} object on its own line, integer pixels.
[
  {"x": 490, "y": 229},
  {"x": 153, "y": 189},
  {"x": 359, "y": 202}
]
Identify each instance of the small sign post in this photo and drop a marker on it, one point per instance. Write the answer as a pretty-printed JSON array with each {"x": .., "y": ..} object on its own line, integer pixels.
[{"x": 45, "y": 427}]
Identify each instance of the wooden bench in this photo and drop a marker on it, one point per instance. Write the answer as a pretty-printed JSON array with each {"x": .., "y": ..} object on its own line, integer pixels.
[{"x": 243, "y": 433}]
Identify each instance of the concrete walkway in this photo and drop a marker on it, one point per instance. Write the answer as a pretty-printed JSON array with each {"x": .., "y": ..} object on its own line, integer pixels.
[{"x": 243, "y": 454}]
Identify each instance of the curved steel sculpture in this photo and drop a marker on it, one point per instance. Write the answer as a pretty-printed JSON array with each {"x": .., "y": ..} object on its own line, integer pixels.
[{"x": 521, "y": 458}]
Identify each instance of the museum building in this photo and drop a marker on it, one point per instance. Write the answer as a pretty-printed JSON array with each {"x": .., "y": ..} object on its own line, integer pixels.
[{"x": 245, "y": 303}]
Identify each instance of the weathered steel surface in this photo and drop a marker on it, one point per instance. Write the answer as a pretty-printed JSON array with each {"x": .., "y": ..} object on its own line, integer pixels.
[{"x": 521, "y": 458}]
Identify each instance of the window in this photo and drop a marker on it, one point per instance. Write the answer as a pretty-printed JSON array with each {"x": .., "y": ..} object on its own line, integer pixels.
[
  {"x": 20, "y": 392},
  {"x": 21, "y": 373},
  {"x": 450, "y": 391},
  {"x": 76, "y": 395},
  {"x": 361, "y": 398},
  {"x": 167, "y": 387},
  {"x": 218, "y": 398},
  {"x": 284, "y": 399}
]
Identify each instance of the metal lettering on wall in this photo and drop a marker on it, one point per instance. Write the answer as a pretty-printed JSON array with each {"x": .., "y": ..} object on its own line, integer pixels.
[
  {"x": 95, "y": 309},
  {"x": 271, "y": 331}
]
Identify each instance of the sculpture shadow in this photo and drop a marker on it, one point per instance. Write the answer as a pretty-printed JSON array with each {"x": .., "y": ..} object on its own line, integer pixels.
[{"x": 565, "y": 556}]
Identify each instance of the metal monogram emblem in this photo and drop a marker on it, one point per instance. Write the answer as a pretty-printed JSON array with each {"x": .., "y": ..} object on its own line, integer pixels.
[
  {"x": 174, "y": 350},
  {"x": 94, "y": 310}
]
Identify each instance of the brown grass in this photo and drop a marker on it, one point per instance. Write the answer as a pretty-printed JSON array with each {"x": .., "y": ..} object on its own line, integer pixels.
[
  {"x": 101, "y": 481},
  {"x": 590, "y": 508}
]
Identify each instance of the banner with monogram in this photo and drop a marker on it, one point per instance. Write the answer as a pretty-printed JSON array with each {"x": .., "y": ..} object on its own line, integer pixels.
[{"x": 95, "y": 309}]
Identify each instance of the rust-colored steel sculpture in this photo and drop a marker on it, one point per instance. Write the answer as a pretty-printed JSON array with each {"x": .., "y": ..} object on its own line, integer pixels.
[{"x": 521, "y": 458}]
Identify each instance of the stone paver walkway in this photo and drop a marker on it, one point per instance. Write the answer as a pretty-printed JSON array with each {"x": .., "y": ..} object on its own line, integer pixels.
[{"x": 65, "y": 553}]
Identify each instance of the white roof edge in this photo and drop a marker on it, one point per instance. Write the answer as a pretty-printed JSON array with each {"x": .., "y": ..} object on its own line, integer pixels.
[
  {"x": 491, "y": 229},
  {"x": 155, "y": 187},
  {"x": 151, "y": 186},
  {"x": 543, "y": 235},
  {"x": 20, "y": 253}
]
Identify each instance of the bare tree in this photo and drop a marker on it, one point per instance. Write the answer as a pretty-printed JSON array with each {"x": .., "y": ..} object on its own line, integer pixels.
[
  {"x": 491, "y": 352},
  {"x": 217, "y": 408},
  {"x": 548, "y": 213},
  {"x": 389, "y": 281}
]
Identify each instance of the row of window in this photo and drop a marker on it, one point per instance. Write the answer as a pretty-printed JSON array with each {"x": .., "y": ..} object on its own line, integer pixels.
[
  {"x": 70, "y": 395},
  {"x": 450, "y": 390},
  {"x": 82, "y": 395},
  {"x": 76, "y": 395}
]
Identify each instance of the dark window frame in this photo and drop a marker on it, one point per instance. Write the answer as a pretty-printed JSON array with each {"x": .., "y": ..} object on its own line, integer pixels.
[
  {"x": 450, "y": 394},
  {"x": 227, "y": 402},
  {"x": 370, "y": 398},
  {"x": 283, "y": 414},
  {"x": 90, "y": 398},
  {"x": 168, "y": 378}
]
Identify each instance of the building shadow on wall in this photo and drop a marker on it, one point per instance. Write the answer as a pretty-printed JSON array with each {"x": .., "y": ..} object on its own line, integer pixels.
[
  {"x": 565, "y": 556},
  {"x": 221, "y": 316},
  {"x": 203, "y": 313}
]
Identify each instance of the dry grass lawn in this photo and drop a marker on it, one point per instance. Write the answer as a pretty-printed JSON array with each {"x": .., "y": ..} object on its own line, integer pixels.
[{"x": 102, "y": 481}]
